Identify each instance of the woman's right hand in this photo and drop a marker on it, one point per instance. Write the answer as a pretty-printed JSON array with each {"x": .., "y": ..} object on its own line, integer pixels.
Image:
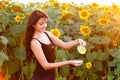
[{"x": 75, "y": 62}]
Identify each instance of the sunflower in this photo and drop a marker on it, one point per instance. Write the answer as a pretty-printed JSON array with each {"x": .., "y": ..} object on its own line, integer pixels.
[
  {"x": 45, "y": 7},
  {"x": 106, "y": 9},
  {"x": 116, "y": 29},
  {"x": 85, "y": 30},
  {"x": 66, "y": 16},
  {"x": 40, "y": 9},
  {"x": 51, "y": 1},
  {"x": 28, "y": 14},
  {"x": 94, "y": 5},
  {"x": 18, "y": 18},
  {"x": 77, "y": 7},
  {"x": 6, "y": 3},
  {"x": 84, "y": 14},
  {"x": 56, "y": 4},
  {"x": 55, "y": 32},
  {"x": 64, "y": 7},
  {"x": 88, "y": 65},
  {"x": 103, "y": 21},
  {"x": 115, "y": 7},
  {"x": 31, "y": 4},
  {"x": 114, "y": 43},
  {"x": 1, "y": 5},
  {"x": 16, "y": 9},
  {"x": 22, "y": 16}
]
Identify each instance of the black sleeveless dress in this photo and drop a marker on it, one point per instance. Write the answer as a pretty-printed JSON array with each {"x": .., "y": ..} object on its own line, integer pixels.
[{"x": 40, "y": 73}]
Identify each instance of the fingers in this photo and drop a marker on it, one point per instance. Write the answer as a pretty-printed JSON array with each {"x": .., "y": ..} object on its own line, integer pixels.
[
  {"x": 77, "y": 62},
  {"x": 82, "y": 42}
]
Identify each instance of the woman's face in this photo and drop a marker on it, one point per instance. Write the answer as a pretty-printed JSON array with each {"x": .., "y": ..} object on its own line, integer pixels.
[{"x": 41, "y": 25}]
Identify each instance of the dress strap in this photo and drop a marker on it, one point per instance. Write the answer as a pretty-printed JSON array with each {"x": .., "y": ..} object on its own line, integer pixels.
[
  {"x": 48, "y": 36},
  {"x": 37, "y": 39}
]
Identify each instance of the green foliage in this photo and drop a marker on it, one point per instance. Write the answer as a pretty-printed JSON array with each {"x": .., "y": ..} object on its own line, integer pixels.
[
  {"x": 91, "y": 56},
  {"x": 103, "y": 43},
  {"x": 3, "y": 57},
  {"x": 115, "y": 64},
  {"x": 98, "y": 65},
  {"x": 11, "y": 67},
  {"x": 19, "y": 53},
  {"x": 4, "y": 40}
]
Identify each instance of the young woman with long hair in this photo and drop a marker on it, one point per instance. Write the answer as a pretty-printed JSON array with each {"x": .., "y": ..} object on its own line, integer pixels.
[{"x": 41, "y": 43}]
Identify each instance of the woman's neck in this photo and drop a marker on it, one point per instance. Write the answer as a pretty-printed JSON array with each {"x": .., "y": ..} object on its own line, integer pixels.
[{"x": 38, "y": 34}]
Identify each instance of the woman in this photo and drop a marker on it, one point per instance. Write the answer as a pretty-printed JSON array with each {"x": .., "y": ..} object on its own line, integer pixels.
[{"x": 41, "y": 43}]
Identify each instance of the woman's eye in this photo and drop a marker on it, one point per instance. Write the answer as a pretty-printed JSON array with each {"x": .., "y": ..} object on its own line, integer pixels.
[{"x": 41, "y": 24}]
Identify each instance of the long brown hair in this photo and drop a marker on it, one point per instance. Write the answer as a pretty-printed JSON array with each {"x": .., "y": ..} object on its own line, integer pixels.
[{"x": 32, "y": 20}]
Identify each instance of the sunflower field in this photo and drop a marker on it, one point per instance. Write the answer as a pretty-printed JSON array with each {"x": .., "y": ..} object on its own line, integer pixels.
[{"x": 98, "y": 25}]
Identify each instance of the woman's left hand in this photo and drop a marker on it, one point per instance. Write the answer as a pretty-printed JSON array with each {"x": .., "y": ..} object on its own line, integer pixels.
[{"x": 82, "y": 42}]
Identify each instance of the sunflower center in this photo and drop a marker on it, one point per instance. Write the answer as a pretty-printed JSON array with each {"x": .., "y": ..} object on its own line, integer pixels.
[
  {"x": 86, "y": 30},
  {"x": 84, "y": 14},
  {"x": 55, "y": 33},
  {"x": 103, "y": 21}
]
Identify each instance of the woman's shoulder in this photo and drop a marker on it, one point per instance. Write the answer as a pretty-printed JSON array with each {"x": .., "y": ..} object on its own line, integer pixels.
[
  {"x": 48, "y": 33},
  {"x": 34, "y": 41}
]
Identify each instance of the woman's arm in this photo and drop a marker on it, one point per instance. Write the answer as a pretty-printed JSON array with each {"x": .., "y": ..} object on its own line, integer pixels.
[
  {"x": 38, "y": 52},
  {"x": 66, "y": 45}
]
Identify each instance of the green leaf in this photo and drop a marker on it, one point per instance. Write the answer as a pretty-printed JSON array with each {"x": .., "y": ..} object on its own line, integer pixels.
[
  {"x": 95, "y": 39},
  {"x": 103, "y": 56},
  {"x": 114, "y": 52},
  {"x": 3, "y": 57},
  {"x": 118, "y": 57},
  {"x": 118, "y": 78},
  {"x": 66, "y": 38},
  {"x": 117, "y": 71},
  {"x": 10, "y": 67},
  {"x": 91, "y": 21},
  {"x": 15, "y": 29},
  {"x": 94, "y": 77},
  {"x": 1, "y": 29},
  {"x": 12, "y": 42},
  {"x": 60, "y": 78},
  {"x": 4, "y": 20},
  {"x": 64, "y": 70},
  {"x": 110, "y": 77},
  {"x": 113, "y": 63},
  {"x": 4, "y": 40},
  {"x": 19, "y": 53},
  {"x": 91, "y": 56},
  {"x": 100, "y": 39},
  {"x": 71, "y": 22},
  {"x": 118, "y": 66},
  {"x": 98, "y": 65},
  {"x": 28, "y": 70},
  {"x": 61, "y": 55}
]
